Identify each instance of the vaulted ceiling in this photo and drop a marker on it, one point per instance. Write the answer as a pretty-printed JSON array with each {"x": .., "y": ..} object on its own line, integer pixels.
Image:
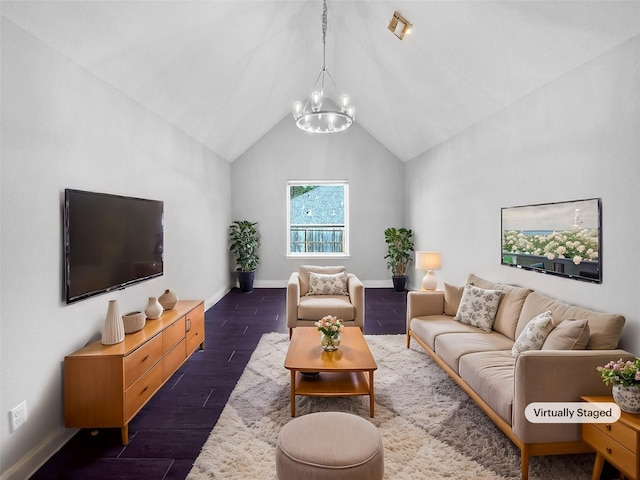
[{"x": 227, "y": 71}]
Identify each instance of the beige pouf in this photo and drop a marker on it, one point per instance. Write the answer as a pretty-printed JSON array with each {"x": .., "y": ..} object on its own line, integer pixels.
[{"x": 329, "y": 445}]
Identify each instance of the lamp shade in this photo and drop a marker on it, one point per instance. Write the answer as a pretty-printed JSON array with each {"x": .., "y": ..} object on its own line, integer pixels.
[{"x": 427, "y": 261}]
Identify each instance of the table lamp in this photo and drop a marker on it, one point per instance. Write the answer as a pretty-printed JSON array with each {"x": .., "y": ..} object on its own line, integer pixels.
[{"x": 428, "y": 261}]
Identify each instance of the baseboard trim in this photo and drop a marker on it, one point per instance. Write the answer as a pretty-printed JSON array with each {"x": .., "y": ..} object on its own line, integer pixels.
[{"x": 32, "y": 461}]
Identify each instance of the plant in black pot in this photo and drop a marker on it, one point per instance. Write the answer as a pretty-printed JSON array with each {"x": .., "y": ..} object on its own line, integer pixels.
[
  {"x": 244, "y": 245},
  {"x": 399, "y": 254}
]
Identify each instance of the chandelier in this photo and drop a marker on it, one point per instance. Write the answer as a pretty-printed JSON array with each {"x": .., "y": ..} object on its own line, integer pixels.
[{"x": 335, "y": 116}]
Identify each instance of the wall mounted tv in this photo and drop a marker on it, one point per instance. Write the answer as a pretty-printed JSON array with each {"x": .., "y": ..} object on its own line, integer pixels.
[
  {"x": 563, "y": 238},
  {"x": 110, "y": 242}
]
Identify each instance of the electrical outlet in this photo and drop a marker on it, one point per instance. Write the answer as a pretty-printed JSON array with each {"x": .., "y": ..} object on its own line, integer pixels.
[{"x": 18, "y": 416}]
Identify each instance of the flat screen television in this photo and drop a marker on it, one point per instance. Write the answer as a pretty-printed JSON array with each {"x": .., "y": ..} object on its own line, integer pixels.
[
  {"x": 562, "y": 238},
  {"x": 110, "y": 242}
]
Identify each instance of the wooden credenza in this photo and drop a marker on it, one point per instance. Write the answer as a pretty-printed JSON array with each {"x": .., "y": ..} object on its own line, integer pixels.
[{"x": 105, "y": 386}]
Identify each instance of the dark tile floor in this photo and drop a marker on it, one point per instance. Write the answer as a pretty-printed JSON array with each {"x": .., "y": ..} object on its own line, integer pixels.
[{"x": 166, "y": 436}]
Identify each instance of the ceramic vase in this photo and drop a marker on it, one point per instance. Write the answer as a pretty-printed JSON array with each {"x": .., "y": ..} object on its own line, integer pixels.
[
  {"x": 330, "y": 343},
  {"x": 113, "y": 329},
  {"x": 168, "y": 300},
  {"x": 627, "y": 398},
  {"x": 154, "y": 309}
]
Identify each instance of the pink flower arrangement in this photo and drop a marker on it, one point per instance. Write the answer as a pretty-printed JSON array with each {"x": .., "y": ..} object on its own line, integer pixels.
[
  {"x": 329, "y": 325},
  {"x": 621, "y": 373}
]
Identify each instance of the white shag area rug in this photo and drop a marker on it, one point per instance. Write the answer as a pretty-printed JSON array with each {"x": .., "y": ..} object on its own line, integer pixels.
[{"x": 430, "y": 428}]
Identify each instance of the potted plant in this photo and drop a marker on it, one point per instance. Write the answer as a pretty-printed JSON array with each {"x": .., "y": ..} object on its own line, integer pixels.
[
  {"x": 625, "y": 378},
  {"x": 244, "y": 245},
  {"x": 399, "y": 250}
]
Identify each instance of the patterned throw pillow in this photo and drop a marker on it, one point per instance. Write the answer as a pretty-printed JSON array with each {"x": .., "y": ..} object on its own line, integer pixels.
[
  {"x": 534, "y": 334},
  {"x": 327, "y": 284},
  {"x": 478, "y": 307}
]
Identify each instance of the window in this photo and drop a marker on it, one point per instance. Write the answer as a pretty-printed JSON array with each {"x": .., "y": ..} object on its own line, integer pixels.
[{"x": 317, "y": 219}]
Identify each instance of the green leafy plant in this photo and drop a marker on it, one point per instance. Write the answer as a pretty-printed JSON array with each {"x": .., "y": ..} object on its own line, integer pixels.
[
  {"x": 399, "y": 250},
  {"x": 244, "y": 244},
  {"x": 622, "y": 373}
]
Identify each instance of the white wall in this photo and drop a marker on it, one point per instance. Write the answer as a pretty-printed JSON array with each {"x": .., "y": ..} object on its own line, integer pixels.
[
  {"x": 579, "y": 137},
  {"x": 63, "y": 127},
  {"x": 376, "y": 185}
]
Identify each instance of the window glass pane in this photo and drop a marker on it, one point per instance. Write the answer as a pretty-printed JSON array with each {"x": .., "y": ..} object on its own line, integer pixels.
[{"x": 317, "y": 218}]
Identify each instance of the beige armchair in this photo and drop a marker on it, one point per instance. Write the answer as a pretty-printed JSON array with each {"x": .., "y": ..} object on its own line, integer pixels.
[{"x": 313, "y": 292}]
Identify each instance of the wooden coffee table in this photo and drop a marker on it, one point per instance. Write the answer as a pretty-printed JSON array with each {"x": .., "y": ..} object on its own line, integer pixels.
[{"x": 346, "y": 372}]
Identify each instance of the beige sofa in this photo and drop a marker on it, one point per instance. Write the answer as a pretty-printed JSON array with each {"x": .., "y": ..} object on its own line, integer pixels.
[
  {"x": 304, "y": 306},
  {"x": 483, "y": 364}
]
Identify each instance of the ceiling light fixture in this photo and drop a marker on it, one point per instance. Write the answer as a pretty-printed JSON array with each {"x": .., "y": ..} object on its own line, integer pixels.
[
  {"x": 399, "y": 25},
  {"x": 311, "y": 116}
]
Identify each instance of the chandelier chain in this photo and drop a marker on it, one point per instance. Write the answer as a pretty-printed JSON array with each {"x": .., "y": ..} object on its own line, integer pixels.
[{"x": 324, "y": 34}]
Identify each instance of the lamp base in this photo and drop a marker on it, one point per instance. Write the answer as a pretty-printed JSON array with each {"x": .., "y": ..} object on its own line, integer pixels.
[{"x": 429, "y": 282}]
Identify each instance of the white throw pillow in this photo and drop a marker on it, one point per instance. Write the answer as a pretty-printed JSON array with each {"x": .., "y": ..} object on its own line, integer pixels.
[
  {"x": 327, "y": 284},
  {"x": 534, "y": 334},
  {"x": 478, "y": 307}
]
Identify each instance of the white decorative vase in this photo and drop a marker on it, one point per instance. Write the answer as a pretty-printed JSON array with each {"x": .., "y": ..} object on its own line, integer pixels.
[
  {"x": 627, "y": 398},
  {"x": 154, "y": 309},
  {"x": 113, "y": 329}
]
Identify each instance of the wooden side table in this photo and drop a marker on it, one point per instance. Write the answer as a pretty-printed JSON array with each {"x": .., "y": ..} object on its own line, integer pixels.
[{"x": 617, "y": 442}]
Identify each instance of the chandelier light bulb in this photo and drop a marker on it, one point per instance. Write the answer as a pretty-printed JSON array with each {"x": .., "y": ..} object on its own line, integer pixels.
[
  {"x": 297, "y": 110},
  {"x": 344, "y": 101},
  {"x": 316, "y": 101}
]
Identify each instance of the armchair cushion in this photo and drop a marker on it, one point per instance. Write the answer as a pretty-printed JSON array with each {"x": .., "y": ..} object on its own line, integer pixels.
[
  {"x": 327, "y": 284},
  {"x": 303, "y": 273}
]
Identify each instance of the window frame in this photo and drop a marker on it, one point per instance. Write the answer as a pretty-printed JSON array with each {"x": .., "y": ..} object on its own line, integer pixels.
[{"x": 298, "y": 255}]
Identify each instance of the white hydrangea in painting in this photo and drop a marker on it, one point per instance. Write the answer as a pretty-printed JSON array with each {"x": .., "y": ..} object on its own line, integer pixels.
[{"x": 577, "y": 245}]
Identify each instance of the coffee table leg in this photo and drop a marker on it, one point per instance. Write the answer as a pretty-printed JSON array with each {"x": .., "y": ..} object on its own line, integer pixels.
[
  {"x": 371, "y": 395},
  {"x": 293, "y": 393}
]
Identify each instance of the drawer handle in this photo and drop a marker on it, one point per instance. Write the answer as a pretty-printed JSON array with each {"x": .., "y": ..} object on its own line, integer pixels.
[
  {"x": 608, "y": 426},
  {"x": 146, "y": 388},
  {"x": 608, "y": 450},
  {"x": 145, "y": 358}
]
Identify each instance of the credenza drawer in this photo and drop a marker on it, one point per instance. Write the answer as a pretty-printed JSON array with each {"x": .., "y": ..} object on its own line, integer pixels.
[
  {"x": 172, "y": 335},
  {"x": 141, "y": 360},
  {"x": 142, "y": 390},
  {"x": 613, "y": 451},
  {"x": 172, "y": 360}
]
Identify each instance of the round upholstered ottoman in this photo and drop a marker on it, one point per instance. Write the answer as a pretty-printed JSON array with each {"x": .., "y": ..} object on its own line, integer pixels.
[{"x": 329, "y": 445}]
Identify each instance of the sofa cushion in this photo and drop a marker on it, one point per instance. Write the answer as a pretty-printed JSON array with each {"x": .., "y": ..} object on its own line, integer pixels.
[
  {"x": 604, "y": 328},
  {"x": 314, "y": 307},
  {"x": 490, "y": 375},
  {"x": 327, "y": 284},
  {"x": 450, "y": 347},
  {"x": 428, "y": 328},
  {"x": 303, "y": 274},
  {"x": 534, "y": 334},
  {"x": 510, "y": 305},
  {"x": 478, "y": 307},
  {"x": 452, "y": 297},
  {"x": 571, "y": 334}
]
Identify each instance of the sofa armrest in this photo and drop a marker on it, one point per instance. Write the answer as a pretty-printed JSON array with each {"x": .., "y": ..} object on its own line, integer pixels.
[
  {"x": 356, "y": 297},
  {"x": 293, "y": 299},
  {"x": 557, "y": 376},
  {"x": 424, "y": 303}
]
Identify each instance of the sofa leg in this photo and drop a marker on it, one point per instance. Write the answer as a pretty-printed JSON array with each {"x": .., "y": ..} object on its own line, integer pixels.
[
  {"x": 408, "y": 340},
  {"x": 524, "y": 460},
  {"x": 290, "y": 333}
]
